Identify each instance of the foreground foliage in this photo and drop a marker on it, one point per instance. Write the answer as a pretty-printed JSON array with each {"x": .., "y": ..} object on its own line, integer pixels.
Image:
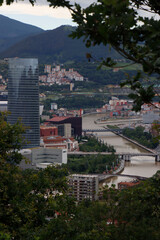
[
  {"x": 29, "y": 208},
  {"x": 130, "y": 214},
  {"x": 26, "y": 197}
]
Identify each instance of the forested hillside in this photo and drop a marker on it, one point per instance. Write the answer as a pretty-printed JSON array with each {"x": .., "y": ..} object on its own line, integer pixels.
[
  {"x": 56, "y": 46},
  {"x": 12, "y": 31}
]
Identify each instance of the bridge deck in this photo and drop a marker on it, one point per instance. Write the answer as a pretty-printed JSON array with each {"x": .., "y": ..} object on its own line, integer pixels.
[
  {"x": 103, "y": 130},
  {"x": 116, "y": 153},
  {"x": 103, "y": 177}
]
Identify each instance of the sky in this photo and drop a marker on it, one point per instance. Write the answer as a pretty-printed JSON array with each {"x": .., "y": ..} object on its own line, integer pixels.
[{"x": 41, "y": 15}]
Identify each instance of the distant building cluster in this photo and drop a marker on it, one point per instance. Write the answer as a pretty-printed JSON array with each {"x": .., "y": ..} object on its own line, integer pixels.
[
  {"x": 65, "y": 112},
  {"x": 58, "y": 137},
  {"x": 60, "y": 76},
  {"x": 123, "y": 108},
  {"x": 59, "y": 132},
  {"x": 117, "y": 107}
]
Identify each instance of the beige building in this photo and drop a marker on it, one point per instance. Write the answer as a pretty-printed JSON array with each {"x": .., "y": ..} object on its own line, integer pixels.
[{"x": 64, "y": 130}]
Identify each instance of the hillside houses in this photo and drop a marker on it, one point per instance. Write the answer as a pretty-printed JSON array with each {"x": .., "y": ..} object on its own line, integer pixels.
[{"x": 58, "y": 75}]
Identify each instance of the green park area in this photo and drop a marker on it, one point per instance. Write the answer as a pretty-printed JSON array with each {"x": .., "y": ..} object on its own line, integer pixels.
[
  {"x": 97, "y": 163},
  {"x": 141, "y": 136}
]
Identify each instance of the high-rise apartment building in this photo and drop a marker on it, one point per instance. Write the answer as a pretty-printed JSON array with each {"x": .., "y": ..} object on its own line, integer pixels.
[
  {"x": 83, "y": 186},
  {"x": 23, "y": 97}
]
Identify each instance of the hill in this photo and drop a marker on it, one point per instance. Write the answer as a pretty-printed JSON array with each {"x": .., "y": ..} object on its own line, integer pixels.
[
  {"x": 12, "y": 31},
  {"x": 55, "y": 45}
]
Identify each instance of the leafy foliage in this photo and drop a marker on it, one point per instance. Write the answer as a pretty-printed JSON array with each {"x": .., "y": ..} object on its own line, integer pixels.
[
  {"x": 11, "y": 140},
  {"x": 94, "y": 145},
  {"x": 138, "y": 134},
  {"x": 91, "y": 164},
  {"x": 128, "y": 214},
  {"x": 76, "y": 102},
  {"x": 26, "y": 197}
]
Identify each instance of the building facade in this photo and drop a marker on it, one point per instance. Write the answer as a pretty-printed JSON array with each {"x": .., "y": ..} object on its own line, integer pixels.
[
  {"x": 60, "y": 143},
  {"x": 49, "y": 155},
  {"x": 23, "y": 97},
  {"x": 48, "y": 131},
  {"x": 42, "y": 157},
  {"x": 76, "y": 123},
  {"x": 65, "y": 130},
  {"x": 83, "y": 186}
]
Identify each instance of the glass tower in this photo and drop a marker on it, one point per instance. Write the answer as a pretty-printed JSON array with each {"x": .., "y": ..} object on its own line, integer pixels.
[{"x": 23, "y": 97}]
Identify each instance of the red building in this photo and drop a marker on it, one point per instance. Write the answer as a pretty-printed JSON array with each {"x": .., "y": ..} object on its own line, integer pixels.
[
  {"x": 124, "y": 185},
  {"x": 48, "y": 131},
  {"x": 60, "y": 142}
]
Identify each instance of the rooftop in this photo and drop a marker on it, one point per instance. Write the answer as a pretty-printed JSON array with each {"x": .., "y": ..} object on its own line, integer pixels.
[{"x": 58, "y": 119}]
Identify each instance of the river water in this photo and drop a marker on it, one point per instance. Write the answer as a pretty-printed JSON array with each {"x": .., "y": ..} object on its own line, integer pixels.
[{"x": 141, "y": 166}]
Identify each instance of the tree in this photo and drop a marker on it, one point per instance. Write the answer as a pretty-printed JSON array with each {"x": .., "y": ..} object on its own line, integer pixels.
[
  {"x": 11, "y": 140},
  {"x": 26, "y": 197},
  {"x": 127, "y": 214},
  {"x": 131, "y": 27}
]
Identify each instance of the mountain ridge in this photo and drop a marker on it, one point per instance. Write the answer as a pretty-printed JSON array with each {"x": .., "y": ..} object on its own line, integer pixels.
[
  {"x": 56, "y": 45},
  {"x": 13, "y": 31}
]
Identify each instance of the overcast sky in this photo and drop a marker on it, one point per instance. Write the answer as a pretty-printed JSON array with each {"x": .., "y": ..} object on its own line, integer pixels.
[{"x": 41, "y": 15}]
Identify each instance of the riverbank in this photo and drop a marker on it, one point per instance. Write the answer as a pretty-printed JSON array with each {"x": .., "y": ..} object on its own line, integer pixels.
[
  {"x": 118, "y": 120},
  {"x": 136, "y": 143},
  {"x": 117, "y": 171},
  {"x": 139, "y": 165},
  {"x": 120, "y": 167}
]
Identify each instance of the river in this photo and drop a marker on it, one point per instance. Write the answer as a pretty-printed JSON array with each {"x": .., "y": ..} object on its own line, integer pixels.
[{"x": 142, "y": 166}]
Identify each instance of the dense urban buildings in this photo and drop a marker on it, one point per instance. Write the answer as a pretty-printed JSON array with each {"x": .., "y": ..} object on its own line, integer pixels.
[
  {"x": 23, "y": 97},
  {"x": 60, "y": 76}
]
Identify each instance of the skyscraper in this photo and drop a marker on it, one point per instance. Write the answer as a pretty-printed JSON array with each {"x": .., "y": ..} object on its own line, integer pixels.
[{"x": 23, "y": 97}]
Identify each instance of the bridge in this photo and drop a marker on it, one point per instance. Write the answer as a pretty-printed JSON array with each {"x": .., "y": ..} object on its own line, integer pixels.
[
  {"x": 103, "y": 130},
  {"x": 116, "y": 130},
  {"x": 124, "y": 156},
  {"x": 103, "y": 177}
]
